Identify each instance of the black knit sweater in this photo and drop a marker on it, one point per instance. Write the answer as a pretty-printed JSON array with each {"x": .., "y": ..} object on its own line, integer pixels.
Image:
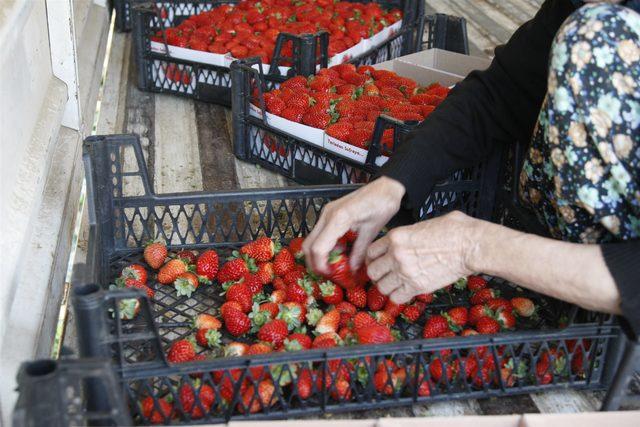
[{"x": 499, "y": 106}]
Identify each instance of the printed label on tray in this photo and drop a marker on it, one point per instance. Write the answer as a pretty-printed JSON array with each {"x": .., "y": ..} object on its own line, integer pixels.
[{"x": 350, "y": 151}]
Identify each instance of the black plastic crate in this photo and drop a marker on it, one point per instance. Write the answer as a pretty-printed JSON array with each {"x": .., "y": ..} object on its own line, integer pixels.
[
  {"x": 125, "y": 212},
  {"x": 255, "y": 141},
  {"x": 212, "y": 83},
  {"x": 122, "y": 8}
]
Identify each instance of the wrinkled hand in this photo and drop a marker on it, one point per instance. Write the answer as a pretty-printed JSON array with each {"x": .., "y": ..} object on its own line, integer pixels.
[
  {"x": 423, "y": 257},
  {"x": 365, "y": 211}
]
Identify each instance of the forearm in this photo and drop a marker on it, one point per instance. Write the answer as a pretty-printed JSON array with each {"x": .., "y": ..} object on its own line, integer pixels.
[{"x": 568, "y": 271}]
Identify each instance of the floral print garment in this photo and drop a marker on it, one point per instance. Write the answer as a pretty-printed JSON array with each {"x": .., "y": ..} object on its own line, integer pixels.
[{"x": 582, "y": 173}]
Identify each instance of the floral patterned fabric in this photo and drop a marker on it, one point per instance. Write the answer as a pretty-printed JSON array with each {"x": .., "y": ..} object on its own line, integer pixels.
[{"x": 582, "y": 173}]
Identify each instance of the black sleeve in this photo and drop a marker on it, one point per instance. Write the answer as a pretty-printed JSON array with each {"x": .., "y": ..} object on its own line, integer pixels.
[
  {"x": 623, "y": 261},
  {"x": 494, "y": 106}
]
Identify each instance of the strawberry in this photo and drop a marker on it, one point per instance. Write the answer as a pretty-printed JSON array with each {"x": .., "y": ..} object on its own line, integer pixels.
[
  {"x": 320, "y": 83},
  {"x": 186, "y": 283},
  {"x": 208, "y": 338},
  {"x": 330, "y": 293},
  {"x": 482, "y": 296},
  {"x": 340, "y": 271},
  {"x": 132, "y": 276},
  {"x": 363, "y": 319},
  {"x": 235, "y": 349},
  {"x": 523, "y": 306},
  {"x": 279, "y": 284},
  {"x": 384, "y": 318},
  {"x": 229, "y": 306},
  {"x": 293, "y": 313},
  {"x": 283, "y": 262},
  {"x": 294, "y": 83},
  {"x": 326, "y": 340},
  {"x": 374, "y": 334},
  {"x": 206, "y": 321},
  {"x": 296, "y": 293},
  {"x": 317, "y": 117},
  {"x": 357, "y": 296},
  {"x": 506, "y": 319},
  {"x": 154, "y": 254},
  {"x": 499, "y": 304},
  {"x": 457, "y": 317},
  {"x": 278, "y": 296},
  {"x": 157, "y": 413},
  {"x": 242, "y": 295},
  {"x": 236, "y": 322},
  {"x": 207, "y": 264},
  {"x": 347, "y": 311},
  {"x": 296, "y": 342},
  {"x": 393, "y": 309},
  {"x": 411, "y": 313},
  {"x": 304, "y": 383},
  {"x": 375, "y": 299},
  {"x": 256, "y": 400},
  {"x": 271, "y": 307},
  {"x": 487, "y": 325},
  {"x": 475, "y": 283},
  {"x": 258, "y": 372},
  {"x": 295, "y": 247},
  {"x": 274, "y": 332},
  {"x": 253, "y": 282},
  {"x": 293, "y": 113},
  {"x": 206, "y": 396},
  {"x": 273, "y": 103},
  {"x": 262, "y": 250},
  {"x": 235, "y": 269},
  {"x": 426, "y": 298},
  {"x": 181, "y": 351},
  {"x": 171, "y": 270},
  {"x": 388, "y": 378},
  {"x": 476, "y": 312},
  {"x": 435, "y": 326},
  {"x": 360, "y": 138},
  {"x": 340, "y": 130},
  {"x": 265, "y": 273},
  {"x": 260, "y": 316},
  {"x": 188, "y": 256},
  {"x": 436, "y": 369},
  {"x": 329, "y": 322},
  {"x": 468, "y": 332}
]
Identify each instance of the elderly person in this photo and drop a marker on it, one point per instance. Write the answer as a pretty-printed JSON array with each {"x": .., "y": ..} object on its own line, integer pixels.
[{"x": 568, "y": 81}]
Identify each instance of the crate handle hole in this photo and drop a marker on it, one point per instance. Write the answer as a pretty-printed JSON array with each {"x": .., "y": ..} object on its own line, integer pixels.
[{"x": 40, "y": 368}]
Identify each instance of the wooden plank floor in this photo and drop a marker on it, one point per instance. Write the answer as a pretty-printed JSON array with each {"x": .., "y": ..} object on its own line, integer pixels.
[{"x": 188, "y": 148}]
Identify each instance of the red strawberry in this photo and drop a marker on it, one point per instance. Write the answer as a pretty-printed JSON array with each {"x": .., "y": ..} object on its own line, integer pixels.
[
  {"x": 499, "y": 304},
  {"x": 296, "y": 293},
  {"x": 476, "y": 312},
  {"x": 279, "y": 284},
  {"x": 186, "y": 283},
  {"x": 326, "y": 340},
  {"x": 330, "y": 293},
  {"x": 234, "y": 270},
  {"x": 154, "y": 254},
  {"x": 363, "y": 319},
  {"x": 374, "y": 334},
  {"x": 411, "y": 313},
  {"x": 340, "y": 130},
  {"x": 295, "y": 246},
  {"x": 523, "y": 306},
  {"x": 475, "y": 283},
  {"x": 283, "y": 262},
  {"x": 436, "y": 369},
  {"x": 171, "y": 270},
  {"x": 357, "y": 296},
  {"x": 384, "y": 318},
  {"x": 426, "y": 298},
  {"x": 393, "y": 309},
  {"x": 347, "y": 311},
  {"x": 263, "y": 249},
  {"x": 208, "y": 338},
  {"x": 265, "y": 273},
  {"x": 360, "y": 138},
  {"x": 389, "y": 379},
  {"x": 206, "y": 321},
  {"x": 457, "y": 317},
  {"x": 133, "y": 276},
  {"x": 207, "y": 264},
  {"x": 278, "y": 296},
  {"x": 157, "y": 413},
  {"x": 294, "y": 83},
  {"x": 293, "y": 113},
  {"x": 236, "y": 322},
  {"x": 482, "y": 296},
  {"x": 206, "y": 396},
  {"x": 181, "y": 351},
  {"x": 506, "y": 319},
  {"x": 242, "y": 295},
  {"x": 271, "y": 307},
  {"x": 253, "y": 282},
  {"x": 375, "y": 299},
  {"x": 340, "y": 271},
  {"x": 258, "y": 400},
  {"x": 188, "y": 256},
  {"x": 273, "y": 103},
  {"x": 274, "y": 332},
  {"x": 317, "y": 117},
  {"x": 435, "y": 326},
  {"x": 329, "y": 322},
  {"x": 304, "y": 383},
  {"x": 487, "y": 325},
  {"x": 296, "y": 342}
]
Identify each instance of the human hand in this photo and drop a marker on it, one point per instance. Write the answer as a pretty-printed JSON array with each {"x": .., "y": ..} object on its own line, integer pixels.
[
  {"x": 423, "y": 257},
  {"x": 364, "y": 211}
]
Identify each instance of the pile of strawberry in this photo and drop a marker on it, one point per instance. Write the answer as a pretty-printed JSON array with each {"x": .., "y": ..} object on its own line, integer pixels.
[
  {"x": 345, "y": 101},
  {"x": 251, "y": 27},
  {"x": 274, "y": 304}
]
